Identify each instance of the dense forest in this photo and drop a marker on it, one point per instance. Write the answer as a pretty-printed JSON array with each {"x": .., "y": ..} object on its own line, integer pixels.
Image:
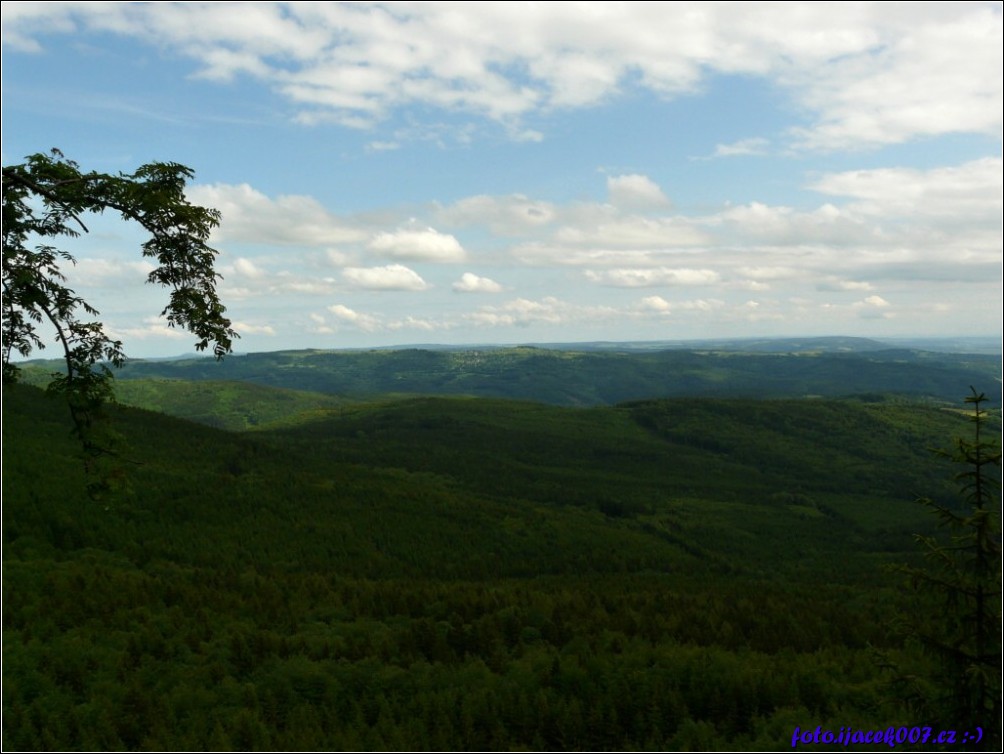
[
  {"x": 447, "y": 572},
  {"x": 811, "y": 367}
]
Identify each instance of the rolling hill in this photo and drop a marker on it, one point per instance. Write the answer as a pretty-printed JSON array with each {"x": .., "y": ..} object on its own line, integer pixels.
[
  {"x": 463, "y": 573},
  {"x": 821, "y": 367}
]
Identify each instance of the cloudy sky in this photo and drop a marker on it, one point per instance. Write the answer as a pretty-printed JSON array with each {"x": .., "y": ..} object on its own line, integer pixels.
[{"x": 395, "y": 173}]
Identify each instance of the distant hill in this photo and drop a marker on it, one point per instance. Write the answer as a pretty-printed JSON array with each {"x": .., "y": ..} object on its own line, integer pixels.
[
  {"x": 587, "y": 378},
  {"x": 254, "y": 390},
  {"x": 824, "y": 344}
]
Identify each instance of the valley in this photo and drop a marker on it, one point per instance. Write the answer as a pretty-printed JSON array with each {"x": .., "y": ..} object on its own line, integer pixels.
[{"x": 356, "y": 569}]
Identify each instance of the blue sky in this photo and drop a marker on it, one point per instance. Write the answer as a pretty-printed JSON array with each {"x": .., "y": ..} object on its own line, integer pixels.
[{"x": 396, "y": 173}]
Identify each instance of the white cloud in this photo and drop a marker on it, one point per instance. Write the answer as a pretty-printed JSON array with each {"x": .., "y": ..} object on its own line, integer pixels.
[
  {"x": 152, "y": 327},
  {"x": 370, "y": 322},
  {"x": 336, "y": 257},
  {"x": 876, "y": 301},
  {"x": 393, "y": 277},
  {"x": 751, "y": 285},
  {"x": 882, "y": 226},
  {"x": 420, "y": 245},
  {"x": 245, "y": 278},
  {"x": 932, "y": 73},
  {"x": 522, "y": 312},
  {"x": 252, "y": 217},
  {"x": 656, "y": 304},
  {"x": 512, "y": 215},
  {"x": 413, "y": 323},
  {"x": 633, "y": 232},
  {"x": 471, "y": 283},
  {"x": 107, "y": 273},
  {"x": 24, "y": 22},
  {"x": 864, "y": 73},
  {"x": 743, "y": 147},
  {"x": 834, "y": 284},
  {"x": 968, "y": 192},
  {"x": 635, "y": 192},
  {"x": 656, "y": 276},
  {"x": 551, "y": 254},
  {"x": 873, "y": 307},
  {"x": 247, "y": 269},
  {"x": 781, "y": 225},
  {"x": 364, "y": 322},
  {"x": 320, "y": 325},
  {"x": 769, "y": 273},
  {"x": 305, "y": 287},
  {"x": 245, "y": 328},
  {"x": 661, "y": 306}
]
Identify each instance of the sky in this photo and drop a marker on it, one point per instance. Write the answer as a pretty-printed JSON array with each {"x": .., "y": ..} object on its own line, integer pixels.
[{"x": 476, "y": 173}]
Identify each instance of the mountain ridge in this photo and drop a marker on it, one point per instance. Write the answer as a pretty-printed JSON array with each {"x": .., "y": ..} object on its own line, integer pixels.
[{"x": 833, "y": 367}]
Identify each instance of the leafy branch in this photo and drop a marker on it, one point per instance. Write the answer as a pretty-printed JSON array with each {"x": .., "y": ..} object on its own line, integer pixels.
[{"x": 46, "y": 197}]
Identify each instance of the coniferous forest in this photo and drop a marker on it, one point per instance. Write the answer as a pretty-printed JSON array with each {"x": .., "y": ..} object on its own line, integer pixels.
[{"x": 409, "y": 570}]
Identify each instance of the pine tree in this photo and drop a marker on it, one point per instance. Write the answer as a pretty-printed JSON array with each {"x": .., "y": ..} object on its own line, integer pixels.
[{"x": 964, "y": 571}]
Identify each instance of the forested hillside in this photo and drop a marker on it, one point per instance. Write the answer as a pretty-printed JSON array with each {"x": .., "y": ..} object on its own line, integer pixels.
[
  {"x": 459, "y": 573},
  {"x": 825, "y": 367}
]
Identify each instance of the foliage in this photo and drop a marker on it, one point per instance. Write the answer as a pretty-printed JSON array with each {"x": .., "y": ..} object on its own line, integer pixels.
[
  {"x": 47, "y": 198},
  {"x": 225, "y": 405},
  {"x": 323, "y": 586},
  {"x": 964, "y": 571}
]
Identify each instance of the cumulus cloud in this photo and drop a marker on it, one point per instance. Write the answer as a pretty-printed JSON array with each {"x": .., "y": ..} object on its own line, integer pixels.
[
  {"x": 827, "y": 224},
  {"x": 419, "y": 245},
  {"x": 252, "y": 217},
  {"x": 512, "y": 215},
  {"x": 320, "y": 325},
  {"x": 853, "y": 68},
  {"x": 878, "y": 225},
  {"x": 873, "y": 307},
  {"x": 523, "y": 312},
  {"x": 539, "y": 254},
  {"x": 968, "y": 192},
  {"x": 342, "y": 313},
  {"x": 661, "y": 306},
  {"x": 769, "y": 273},
  {"x": 336, "y": 257},
  {"x": 656, "y": 304},
  {"x": 105, "y": 273},
  {"x": 633, "y": 232},
  {"x": 304, "y": 286},
  {"x": 876, "y": 301},
  {"x": 248, "y": 269},
  {"x": 833, "y": 284},
  {"x": 245, "y": 328},
  {"x": 393, "y": 277},
  {"x": 413, "y": 323},
  {"x": 884, "y": 93},
  {"x": 370, "y": 322},
  {"x": 656, "y": 276},
  {"x": 635, "y": 192},
  {"x": 152, "y": 327},
  {"x": 471, "y": 283}
]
